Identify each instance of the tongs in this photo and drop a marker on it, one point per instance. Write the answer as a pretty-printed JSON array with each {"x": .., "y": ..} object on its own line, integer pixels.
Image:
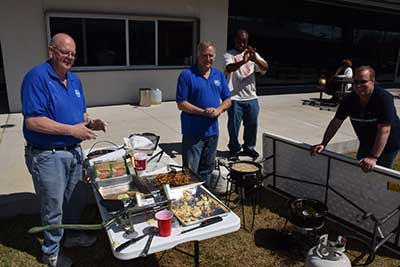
[
  {"x": 116, "y": 217},
  {"x": 204, "y": 224}
]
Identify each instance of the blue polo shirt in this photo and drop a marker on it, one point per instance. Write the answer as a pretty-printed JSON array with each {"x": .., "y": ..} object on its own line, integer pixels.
[
  {"x": 203, "y": 93},
  {"x": 44, "y": 95}
]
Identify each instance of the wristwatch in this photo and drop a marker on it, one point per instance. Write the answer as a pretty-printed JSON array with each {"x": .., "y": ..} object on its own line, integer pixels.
[{"x": 89, "y": 125}]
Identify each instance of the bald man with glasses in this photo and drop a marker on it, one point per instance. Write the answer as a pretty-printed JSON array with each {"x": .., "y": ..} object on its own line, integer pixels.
[
  {"x": 374, "y": 118},
  {"x": 55, "y": 123}
]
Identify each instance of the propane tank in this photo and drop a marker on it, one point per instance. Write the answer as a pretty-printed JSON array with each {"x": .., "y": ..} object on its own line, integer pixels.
[{"x": 328, "y": 253}]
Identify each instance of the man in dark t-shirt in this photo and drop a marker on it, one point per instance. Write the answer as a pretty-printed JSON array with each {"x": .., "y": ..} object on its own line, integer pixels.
[{"x": 374, "y": 118}]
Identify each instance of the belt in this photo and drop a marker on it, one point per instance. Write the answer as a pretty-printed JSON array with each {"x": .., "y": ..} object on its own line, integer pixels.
[{"x": 63, "y": 148}]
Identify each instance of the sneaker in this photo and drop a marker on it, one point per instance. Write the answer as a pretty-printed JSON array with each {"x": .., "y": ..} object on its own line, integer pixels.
[
  {"x": 251, "y": 153},
  {"x": 59, "y": 260},
  {"x": 83, "y": 240},
  {"x": 233, "y": 156}
]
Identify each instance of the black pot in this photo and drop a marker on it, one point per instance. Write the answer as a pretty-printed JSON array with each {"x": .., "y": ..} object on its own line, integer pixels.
[
  {"x": 98, "y": 153},
  {"x": 245, "y": 179},
  {"x": 307, "y": 213}
]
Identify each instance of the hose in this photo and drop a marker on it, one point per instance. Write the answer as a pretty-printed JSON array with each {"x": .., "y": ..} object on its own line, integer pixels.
[
  {"x": 371, "y": 256},
  {"x": 38, "y": 229}
]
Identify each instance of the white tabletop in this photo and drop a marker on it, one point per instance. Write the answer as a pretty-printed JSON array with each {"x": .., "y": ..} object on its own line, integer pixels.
[{"x": 229, "y": 224}]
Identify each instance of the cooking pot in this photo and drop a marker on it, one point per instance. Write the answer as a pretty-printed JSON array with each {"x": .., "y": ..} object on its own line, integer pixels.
[
  {"x": 307, "y": 213},
  {"x": 245, "y": 178}
]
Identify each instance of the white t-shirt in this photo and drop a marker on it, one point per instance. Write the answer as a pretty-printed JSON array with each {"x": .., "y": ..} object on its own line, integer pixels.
[
  {"x": 242, "y": 82},
  {"x": 348, "y": 73}
]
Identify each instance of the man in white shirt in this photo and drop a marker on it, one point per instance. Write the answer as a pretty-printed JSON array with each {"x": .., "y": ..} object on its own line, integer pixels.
[{"x": 241, "y": 63}]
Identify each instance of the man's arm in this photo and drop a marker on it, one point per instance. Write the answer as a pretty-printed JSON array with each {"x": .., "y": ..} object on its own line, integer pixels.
[
  {"x": 48, "y": 126},
  {"x": 236, "y": 65},
  {"x": 382, "y": 135},
  {"x": 330, "y": 132},
  {"x": 190, "y": 108},
  {"x": 262, "y": 64}
]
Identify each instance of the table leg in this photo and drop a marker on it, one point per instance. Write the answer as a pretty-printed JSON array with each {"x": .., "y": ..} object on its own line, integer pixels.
[{"x": 196, "y": 254}]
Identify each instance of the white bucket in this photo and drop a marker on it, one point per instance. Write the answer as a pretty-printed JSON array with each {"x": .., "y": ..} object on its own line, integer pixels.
[
  {"x": 145, "y": 97},
  {"x": 155, "y": 96}
]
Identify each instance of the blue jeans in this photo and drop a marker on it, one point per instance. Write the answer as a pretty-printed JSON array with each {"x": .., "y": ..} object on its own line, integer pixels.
[
  {"x": 198, "y": 154},
  {"x": 386, "y": 159},
  {"x": 55, "y": 176},
  {"x": 246, "y": 111}
]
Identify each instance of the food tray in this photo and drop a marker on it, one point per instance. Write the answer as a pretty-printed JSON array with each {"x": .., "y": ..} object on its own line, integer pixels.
[
  {"x": 149, "y": 183},
  {"x": 194, "y": 204},
  {"x": 110, "y": 189}
]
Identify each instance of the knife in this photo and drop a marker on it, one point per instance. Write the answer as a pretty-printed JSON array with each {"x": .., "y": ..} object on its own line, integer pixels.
[{"x": 204, "y": 224}]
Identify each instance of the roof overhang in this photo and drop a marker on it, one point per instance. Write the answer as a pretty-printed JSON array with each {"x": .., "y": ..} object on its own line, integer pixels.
[{"x": 378, "y": 6}]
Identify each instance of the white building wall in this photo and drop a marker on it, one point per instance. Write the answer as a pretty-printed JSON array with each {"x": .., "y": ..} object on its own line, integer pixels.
[{"x": 24, "y": 43}]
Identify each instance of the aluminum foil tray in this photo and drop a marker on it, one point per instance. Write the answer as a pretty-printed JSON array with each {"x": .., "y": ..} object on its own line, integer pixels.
[
  {"x": 111, "y": 188},
  {"x": 194, "y": 204},
  {"x": 155, "y": 182}
]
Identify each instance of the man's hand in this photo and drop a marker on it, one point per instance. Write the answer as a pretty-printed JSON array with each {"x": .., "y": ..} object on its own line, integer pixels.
[
  {"x": 316, "y": 149},
  {"x": 252, "y": 53},
  {"x": 81, "y": 131},
  {"x": 97, "y": 125},
  {"x": 368, "y": 164},
  {"x": 212, "y": 112},
  {"x": 246, "y": 55}
]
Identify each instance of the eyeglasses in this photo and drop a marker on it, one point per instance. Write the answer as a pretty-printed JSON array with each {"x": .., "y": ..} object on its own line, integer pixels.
[
  {"x": 360, "y": 81},
  {"x": 65, "y": 53}
]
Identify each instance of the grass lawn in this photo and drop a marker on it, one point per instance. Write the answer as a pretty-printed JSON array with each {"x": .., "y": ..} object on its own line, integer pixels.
[{"x": 242, "y": 248}]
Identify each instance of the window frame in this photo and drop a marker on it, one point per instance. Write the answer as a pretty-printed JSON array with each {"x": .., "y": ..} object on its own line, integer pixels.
[{"x": 126, "y": 19}]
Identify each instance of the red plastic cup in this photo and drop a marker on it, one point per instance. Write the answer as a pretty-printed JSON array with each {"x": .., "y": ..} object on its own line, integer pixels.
[
  {"x": 164, "y": 222},
  {"x": 140, "y": 161}
]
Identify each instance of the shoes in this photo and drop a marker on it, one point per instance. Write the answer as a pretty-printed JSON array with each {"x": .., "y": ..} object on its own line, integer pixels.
[
  {"x": 233, "y": 156},
  {"x": 59, "y": 260},
  {"x": 251, "y": 153},
  {"x": 83, "y": 240}
]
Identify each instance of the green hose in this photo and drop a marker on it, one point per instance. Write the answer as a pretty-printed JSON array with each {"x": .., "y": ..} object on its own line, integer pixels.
[{"x": 38, "y": 229}]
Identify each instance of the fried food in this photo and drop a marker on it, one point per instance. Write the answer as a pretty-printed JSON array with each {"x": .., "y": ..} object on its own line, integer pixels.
[
  {"x": 191, "y": 208},
  {"x": 120, "y": 196},
  {"x": 173, "y": 178}
]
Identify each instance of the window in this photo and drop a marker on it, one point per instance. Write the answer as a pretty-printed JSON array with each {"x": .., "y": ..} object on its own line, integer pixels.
[
  {"x": 142, "y": 42},
  {"x": 174, "y": 40},
  {"x": 106, "y": 42},
  {"x": 126, "y": 42}
]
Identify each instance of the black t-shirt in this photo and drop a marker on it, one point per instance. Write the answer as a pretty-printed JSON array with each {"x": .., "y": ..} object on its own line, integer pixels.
[{"x": 380, "y": 109}]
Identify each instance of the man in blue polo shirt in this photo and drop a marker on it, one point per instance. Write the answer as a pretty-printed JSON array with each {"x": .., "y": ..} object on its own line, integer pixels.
[
  {"x": 199, "y": 93},
  {"x": 55, "y": 123},
  {"x": 374, "y": 119}
]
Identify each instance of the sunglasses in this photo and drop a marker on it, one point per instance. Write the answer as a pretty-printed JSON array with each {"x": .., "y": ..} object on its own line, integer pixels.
[{"x": 360, "y": 81}]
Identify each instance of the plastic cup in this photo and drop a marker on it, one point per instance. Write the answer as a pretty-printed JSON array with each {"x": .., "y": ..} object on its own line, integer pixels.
[
  {"x": 164, "y": 222},
  {"x": 140, "y": 161}
]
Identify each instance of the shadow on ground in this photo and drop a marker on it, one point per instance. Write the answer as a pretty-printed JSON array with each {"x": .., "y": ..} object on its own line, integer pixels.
[
  {"x": 282, "y": 242},
  {"x": 14, "y": 237}
]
